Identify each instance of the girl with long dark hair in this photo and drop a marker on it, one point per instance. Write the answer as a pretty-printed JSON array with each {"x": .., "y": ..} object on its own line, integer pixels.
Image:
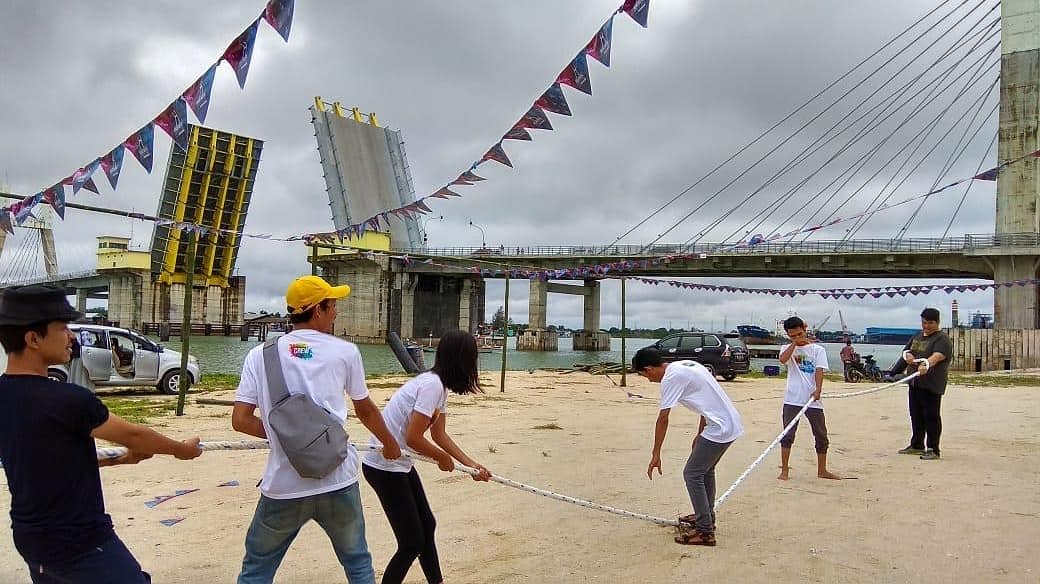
[{"x": 416, "y": 407}]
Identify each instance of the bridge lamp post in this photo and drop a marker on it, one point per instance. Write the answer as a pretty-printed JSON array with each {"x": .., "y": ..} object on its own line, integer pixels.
[
  {"x": 483, "y": 239},
  {"x": 422, "y": 226}
]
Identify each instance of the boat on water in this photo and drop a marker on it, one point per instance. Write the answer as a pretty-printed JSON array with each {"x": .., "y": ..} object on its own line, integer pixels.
[
  {"x": 485, "y": 344},
  {"x": 755, "y": 335}
]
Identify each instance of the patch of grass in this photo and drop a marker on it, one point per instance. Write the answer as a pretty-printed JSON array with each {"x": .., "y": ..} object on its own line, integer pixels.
[
  {"x": 549, "y": 426},
  {"x": 139, "y": 410},
  {"x": 996, "y": 380},
  {"x": 387, "y": 385},
  {"x": 217, "y": 382}
]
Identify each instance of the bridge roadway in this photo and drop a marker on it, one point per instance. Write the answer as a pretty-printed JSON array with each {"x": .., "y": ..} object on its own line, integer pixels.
[{"x": 967, "y": 256}]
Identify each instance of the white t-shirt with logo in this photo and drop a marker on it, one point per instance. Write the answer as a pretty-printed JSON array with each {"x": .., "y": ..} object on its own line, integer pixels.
[
  {"x": 424, "y": 394},
  {"x": 801, "y": 374},
  {"x": 689, "y": 383},
  {"x": 326, "y": 368}
]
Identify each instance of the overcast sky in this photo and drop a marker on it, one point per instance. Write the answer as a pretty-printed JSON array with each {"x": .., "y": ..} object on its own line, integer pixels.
[{"x": 704, "y": 79}]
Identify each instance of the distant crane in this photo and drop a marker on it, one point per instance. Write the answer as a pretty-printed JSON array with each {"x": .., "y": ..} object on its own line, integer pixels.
[
  {"x": 817, "y": 328},
  {"x": 844, "y": 327}
]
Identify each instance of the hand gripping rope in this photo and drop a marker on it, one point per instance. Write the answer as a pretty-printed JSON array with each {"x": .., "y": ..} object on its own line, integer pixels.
[{"x": 115, "y": 452}]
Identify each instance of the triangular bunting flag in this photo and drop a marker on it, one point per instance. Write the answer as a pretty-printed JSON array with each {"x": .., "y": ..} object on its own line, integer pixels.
[
  {"x": 112, "y": 163},
  {"x": 240, "y": 52},
  {"x": 83, "y": 174},
  {"x": 55, "y": 196},
  {"x": 278, "y": 14},
  {"x": 639, "y": 10},
  {"x": 990, "y": 174},
  {"x": 142, "y": 144},
  {"x": 422, "y": 206},
  {"x": 91, "y": 186},
  {"x": 577, "y": 74},
  {"x": 517, "y": 133},
  {"x": 599, "y": 47},
  {"x": 444, "y": 193},
  {"x": 469, "y": 176},
  {"x": 174, "y": 121},
  {"x": 197, "y": 96},
  {"x": 498, "y": 154},
  {"x": 534, "y": 118},
  {"x": 553, "y": 100}
]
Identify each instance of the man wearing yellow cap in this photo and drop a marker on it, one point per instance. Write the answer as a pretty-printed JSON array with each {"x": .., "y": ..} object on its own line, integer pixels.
[{"x": 323, "y": 367}]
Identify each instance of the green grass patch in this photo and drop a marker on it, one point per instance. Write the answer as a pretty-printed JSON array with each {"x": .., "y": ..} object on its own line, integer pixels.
[
  {"x": 996, "y": 380},
  {"x": 139, "y": 410},
  {"x": 217, "y": 382}
]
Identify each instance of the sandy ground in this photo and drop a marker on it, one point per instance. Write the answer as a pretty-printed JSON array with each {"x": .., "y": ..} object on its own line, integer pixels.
[{"x": 973, "y": 516}]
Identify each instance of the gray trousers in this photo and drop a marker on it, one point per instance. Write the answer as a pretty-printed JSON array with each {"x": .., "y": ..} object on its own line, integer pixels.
[
  {"x": 700, "y": 481},
  {"x": 817, "y": 421}
]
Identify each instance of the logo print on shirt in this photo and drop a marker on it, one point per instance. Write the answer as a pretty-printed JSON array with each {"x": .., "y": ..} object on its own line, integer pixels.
[
  {"x": 805, "y": 364},
  {"x": 301, "y": 350}
]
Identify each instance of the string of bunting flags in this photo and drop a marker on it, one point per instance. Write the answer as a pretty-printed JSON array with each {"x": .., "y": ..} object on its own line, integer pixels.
[
  {"x": 173, "y": 120},
  {"x": 603, "y": 271},
  {"x": 575, "y": 75}
]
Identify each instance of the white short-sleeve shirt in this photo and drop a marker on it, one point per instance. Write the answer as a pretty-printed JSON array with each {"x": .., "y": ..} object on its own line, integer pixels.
[
  {"x": 689, "y": 383},
  {"x": 801, "y": 374},
  {"x": 326, "y": 368},
  {"x": 425, "y": 394}
]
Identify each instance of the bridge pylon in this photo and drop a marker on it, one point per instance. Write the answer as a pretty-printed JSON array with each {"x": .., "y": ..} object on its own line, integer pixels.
[{"x": 1018, "y": 185}]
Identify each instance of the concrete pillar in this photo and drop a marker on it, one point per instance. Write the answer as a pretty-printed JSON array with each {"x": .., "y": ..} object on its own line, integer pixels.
[
  {"x": 50, "y": 257},
  {"x": 408, "y": 283},
  {"x": 81, "y": 299},
  {"x": 590, "y": 338},
  {"x": 465, "y": 298},
  {"x": 1018, "y": 185},
  {"x": 536, "y": 316},
  {"x": 537, "y": 337}
]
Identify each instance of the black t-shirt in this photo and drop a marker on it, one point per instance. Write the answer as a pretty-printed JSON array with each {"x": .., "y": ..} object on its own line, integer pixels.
[
  {"x": 57, "y": 509},
  {"x": 923, "y": 347}
]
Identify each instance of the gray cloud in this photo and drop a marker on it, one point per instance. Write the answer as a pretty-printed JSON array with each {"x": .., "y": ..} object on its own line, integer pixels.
[{"x": 679, "y": 97}]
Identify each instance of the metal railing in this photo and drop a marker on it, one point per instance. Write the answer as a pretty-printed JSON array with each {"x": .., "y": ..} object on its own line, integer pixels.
[
  {"x": 904, "y": 245},
  {"x": 48, "y": 279}
]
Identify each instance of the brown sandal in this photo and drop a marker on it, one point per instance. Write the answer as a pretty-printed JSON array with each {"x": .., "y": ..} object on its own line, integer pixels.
[
  {"x": 689, "y": 520},
  {"x": 695, "y": 538}
]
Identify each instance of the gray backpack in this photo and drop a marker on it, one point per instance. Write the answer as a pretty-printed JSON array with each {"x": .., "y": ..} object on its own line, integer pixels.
[{"x": 313, "y": 440}]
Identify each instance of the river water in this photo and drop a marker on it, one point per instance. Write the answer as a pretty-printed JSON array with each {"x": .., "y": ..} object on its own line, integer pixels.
[{"x": 220, "y": 354}]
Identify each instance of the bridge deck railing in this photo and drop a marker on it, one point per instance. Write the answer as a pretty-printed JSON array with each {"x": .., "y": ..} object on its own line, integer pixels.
[{"x": 902, "y": 245}]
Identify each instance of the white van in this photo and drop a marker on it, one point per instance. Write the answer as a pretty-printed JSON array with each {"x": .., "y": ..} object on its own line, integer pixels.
[{"x": 121, "y": 357}]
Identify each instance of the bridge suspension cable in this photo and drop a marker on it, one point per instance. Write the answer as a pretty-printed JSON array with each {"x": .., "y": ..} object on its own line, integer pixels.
[
  {"x": 925, "y": 101},
  {"x": 921, "y": 138},
  {"x": 965, "y": 39},
  {"x": 790, "y": 115}
]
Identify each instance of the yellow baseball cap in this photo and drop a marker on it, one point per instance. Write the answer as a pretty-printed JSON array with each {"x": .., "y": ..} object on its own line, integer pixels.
[{"x": 307, "y": 291}]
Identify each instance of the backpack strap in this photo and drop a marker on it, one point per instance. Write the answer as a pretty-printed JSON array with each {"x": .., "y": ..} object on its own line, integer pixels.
[{"x": 276, "y": 386}]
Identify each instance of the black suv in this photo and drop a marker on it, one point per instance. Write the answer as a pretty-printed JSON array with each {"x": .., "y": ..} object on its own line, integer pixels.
[{"x": 723, "y": 354}]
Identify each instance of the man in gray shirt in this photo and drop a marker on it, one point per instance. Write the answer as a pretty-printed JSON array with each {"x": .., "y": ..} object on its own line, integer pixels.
[{"x": 926, "y": 390}]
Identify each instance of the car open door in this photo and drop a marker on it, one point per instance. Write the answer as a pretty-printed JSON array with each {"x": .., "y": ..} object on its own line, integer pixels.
[
  {"x": 96, "y": 355},
  {"x": 146, "y": 360}
]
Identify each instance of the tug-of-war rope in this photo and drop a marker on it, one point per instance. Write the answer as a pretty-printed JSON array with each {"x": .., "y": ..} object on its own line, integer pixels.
[{"x": 116, "y": 452}]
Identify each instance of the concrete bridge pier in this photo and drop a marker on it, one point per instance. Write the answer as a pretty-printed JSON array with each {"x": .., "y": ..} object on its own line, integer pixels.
[
  {"x": 538, "y": 337},
  {"x": 590, "y": 337}
]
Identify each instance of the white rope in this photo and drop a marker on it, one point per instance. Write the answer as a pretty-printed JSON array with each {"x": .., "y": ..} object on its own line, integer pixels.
[
  {"x": 790, "y": 425},
  {"x": 115, "y": 452}
]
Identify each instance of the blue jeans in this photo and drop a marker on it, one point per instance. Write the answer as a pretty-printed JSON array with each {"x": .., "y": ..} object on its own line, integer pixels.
[
  {"x": 277, "y": 521},
  {"x": 108, "y": 562}
]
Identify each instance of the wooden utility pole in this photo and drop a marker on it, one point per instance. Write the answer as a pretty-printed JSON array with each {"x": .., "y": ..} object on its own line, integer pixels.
[
  {"x": 624, "y": 362},
  {"x": 189, "y": 277},
  {"x": 505, "y": 340}
]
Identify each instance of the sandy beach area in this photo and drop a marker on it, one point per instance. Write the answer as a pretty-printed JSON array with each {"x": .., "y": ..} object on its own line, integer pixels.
[{"x": 973, "y": 516}]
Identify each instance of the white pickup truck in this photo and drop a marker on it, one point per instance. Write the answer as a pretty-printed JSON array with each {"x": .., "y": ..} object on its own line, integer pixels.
[{"x": 121, "y": 357}]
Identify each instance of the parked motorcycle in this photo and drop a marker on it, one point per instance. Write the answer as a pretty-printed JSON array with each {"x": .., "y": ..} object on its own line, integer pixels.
[{"x": 867, "y": 368}]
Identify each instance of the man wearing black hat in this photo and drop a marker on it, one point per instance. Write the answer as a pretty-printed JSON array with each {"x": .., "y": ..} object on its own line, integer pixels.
[{"x": 47, "y": 432}]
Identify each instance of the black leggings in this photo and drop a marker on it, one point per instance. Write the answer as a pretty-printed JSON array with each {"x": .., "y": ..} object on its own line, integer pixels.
[{"x": 404, "y": 502}]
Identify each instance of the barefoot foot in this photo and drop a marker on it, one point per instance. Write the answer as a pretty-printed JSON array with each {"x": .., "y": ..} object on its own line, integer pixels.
[
  {"x": 828, "y": 475},
  {"x": 783, "y": 475}
]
